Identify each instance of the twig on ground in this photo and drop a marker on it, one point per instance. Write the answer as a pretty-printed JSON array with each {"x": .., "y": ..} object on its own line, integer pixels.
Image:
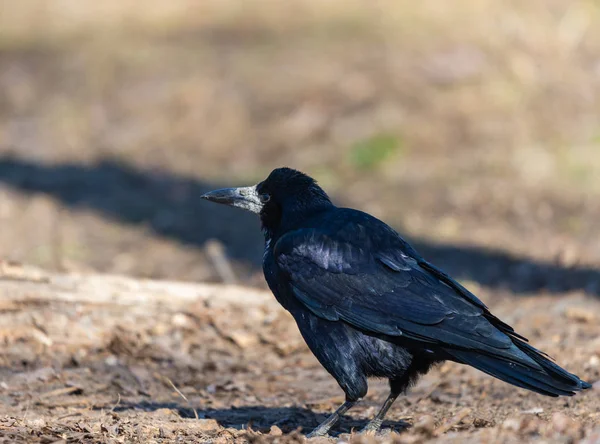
[
  {"x": 166, "y": 379},
  {"x": 116, "y": 403}
]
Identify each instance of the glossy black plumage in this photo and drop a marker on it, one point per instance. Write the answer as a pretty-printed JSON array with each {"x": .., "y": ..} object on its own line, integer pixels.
[{"x": 368, "y": 305}]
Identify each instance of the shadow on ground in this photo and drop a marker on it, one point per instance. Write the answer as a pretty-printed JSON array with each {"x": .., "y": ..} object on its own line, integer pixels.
[
  {"x": 170, "y": 206},
  {"x": 261, "y": 418}
]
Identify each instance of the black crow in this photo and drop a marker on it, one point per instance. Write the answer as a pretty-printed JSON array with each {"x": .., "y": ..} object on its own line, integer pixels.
[{"x": 368, "y": 305}]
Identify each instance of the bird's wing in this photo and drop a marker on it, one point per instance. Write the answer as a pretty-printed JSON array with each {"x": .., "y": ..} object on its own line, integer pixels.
[{"x": 370, "y": 278}]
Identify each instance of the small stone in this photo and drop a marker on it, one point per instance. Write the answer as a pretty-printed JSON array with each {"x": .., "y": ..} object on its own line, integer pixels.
[
  {"x": 36, "y": 424},
  {"x": 560, "y": 422},
  {"x": 181, "y": 320},
  {"x": 512, "y": 423},
  {"x": 243, "y": 339},
  {"x": 275, "y": 431},
  {"x": 111, "y": 360},
  {"x": 207, "y": 425}
]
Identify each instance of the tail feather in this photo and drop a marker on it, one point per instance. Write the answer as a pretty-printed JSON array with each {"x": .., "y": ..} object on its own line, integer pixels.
[
  {"x": 542, "y": 376},
  {"x": 552, "y": 368}
]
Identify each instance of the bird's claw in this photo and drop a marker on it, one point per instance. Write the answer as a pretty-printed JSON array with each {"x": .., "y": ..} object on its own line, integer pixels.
[
  {"x": 316, "y": 433},
  {"x": 372, "y": 427}
]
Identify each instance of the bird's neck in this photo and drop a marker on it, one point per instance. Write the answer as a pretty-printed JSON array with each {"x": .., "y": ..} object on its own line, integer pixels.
[{"x": 293, "y": 218}]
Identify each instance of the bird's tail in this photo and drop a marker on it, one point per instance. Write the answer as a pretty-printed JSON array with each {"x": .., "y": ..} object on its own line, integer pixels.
[{"x": 529, "y": 368}]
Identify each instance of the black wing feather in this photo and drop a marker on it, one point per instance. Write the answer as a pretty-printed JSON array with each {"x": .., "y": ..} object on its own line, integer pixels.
[
  {"x": 359, "y": 271},
  {"x": 381, "y": 290}
]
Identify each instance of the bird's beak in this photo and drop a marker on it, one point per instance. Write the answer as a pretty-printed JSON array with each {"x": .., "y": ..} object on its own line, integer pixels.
[{"x": 246, "y": 198}]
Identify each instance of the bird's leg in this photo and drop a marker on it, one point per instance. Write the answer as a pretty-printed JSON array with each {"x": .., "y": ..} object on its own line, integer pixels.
[
  {"x": 376, "y": 422},
  {"x": 324, "y": 427}
]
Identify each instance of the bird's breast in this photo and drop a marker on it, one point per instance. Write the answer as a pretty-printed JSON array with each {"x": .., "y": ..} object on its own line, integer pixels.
[{"x": 278, "y": 284}]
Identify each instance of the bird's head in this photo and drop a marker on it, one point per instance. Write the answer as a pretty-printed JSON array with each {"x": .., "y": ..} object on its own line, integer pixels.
[{"x": 281, "y": 200}]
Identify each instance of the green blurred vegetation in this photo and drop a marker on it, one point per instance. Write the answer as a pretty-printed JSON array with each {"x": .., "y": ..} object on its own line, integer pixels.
[{"x": 372, "y": 152}]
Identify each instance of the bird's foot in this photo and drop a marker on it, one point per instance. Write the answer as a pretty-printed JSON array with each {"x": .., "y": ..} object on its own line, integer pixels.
[
  {"x": 326, "y": 425},
  {"x": 373, "y": 426},
  {"x": 318, "y": 432}
]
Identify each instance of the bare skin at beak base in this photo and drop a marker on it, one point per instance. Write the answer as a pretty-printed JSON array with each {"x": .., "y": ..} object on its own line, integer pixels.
[{"x": 244, "y": 197}]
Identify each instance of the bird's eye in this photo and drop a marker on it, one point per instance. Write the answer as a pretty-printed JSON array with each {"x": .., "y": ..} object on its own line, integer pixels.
[{"x": 264, "y": 198}]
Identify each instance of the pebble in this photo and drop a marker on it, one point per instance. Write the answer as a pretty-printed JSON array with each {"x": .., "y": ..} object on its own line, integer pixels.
[
  {"x": 207, "y": 424},
  {"x": 275, "y": 431},
  {"x": 37, "y": 423},
  {"x": 243, "y": 339}
]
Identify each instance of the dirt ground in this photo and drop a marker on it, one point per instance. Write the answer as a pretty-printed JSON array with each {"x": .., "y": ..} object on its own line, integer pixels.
[{"x": 154, "y": 367}]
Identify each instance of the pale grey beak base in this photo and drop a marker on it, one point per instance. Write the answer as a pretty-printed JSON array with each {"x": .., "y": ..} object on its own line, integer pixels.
[{"x": 246, "y": 198}]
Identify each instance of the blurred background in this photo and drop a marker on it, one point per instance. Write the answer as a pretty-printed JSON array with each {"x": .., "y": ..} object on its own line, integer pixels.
[{"x": 470, "y": 126}]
